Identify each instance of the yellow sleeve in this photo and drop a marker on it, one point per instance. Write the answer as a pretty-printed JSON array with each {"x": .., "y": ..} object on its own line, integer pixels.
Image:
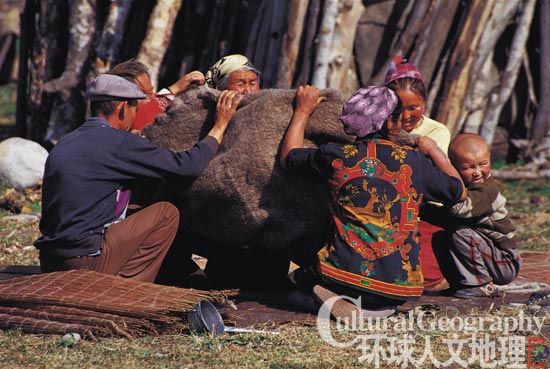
[{"x": 436, "y": 131}]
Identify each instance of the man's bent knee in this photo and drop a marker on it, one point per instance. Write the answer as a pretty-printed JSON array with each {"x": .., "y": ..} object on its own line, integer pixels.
[{"x": 169, "y": 211}]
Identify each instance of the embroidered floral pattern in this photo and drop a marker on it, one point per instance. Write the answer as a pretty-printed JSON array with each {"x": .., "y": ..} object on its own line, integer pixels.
[
  {"x": 349, "y": 151},
  {"x": 368, "y": 167},
  {"x": 399, "y": 154}
]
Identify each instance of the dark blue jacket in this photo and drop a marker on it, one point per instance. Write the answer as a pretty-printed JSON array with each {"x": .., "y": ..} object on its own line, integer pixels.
[{"x": 83, "y": 173}]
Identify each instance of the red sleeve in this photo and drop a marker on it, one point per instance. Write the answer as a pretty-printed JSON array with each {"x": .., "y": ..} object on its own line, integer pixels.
[{"x": 147, "y": 111}]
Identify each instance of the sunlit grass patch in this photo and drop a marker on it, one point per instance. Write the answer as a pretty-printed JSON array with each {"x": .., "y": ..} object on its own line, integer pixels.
[{"x": 529, "y": 208}]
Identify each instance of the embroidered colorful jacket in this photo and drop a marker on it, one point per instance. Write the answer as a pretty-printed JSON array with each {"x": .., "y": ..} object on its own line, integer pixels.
[{"x": 376, "y": 188}]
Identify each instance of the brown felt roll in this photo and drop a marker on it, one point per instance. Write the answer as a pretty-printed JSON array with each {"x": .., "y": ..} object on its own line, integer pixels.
[{"x": 244, "y": 197}]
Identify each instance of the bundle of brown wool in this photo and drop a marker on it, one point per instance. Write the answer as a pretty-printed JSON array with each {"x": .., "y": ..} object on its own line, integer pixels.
[{"x": 244, "y": 196}]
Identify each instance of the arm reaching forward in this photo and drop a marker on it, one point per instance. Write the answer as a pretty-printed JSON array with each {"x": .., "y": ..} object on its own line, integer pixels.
[
  {"x": 226, "y": 106},
  {"x": 428, "y": 147},
  {"x": 307, "y": 100}
]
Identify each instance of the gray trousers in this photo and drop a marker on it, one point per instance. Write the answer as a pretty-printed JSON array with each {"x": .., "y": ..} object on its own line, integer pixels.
[{"x": 479, "y": 261}]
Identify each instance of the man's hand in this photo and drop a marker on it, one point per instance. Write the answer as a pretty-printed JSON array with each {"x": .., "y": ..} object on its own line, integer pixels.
[
  {"x": 308, "y": 99},
  {"x": 194, "y": 77},
  {"x": 226, "y": 106}
]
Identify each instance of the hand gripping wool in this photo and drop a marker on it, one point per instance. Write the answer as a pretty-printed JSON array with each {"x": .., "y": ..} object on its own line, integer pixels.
[{"x": 244, "y": 197}]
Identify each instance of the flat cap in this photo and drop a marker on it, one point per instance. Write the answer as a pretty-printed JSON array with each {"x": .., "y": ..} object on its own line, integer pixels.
[{"x": 107, "y": 87}]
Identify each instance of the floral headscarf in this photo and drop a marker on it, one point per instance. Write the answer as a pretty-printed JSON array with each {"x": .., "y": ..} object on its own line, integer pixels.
[{"x": 367, "y": 109}]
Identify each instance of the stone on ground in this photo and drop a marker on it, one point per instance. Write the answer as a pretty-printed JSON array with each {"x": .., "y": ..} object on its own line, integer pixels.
[{"x": 21, "y": 162}]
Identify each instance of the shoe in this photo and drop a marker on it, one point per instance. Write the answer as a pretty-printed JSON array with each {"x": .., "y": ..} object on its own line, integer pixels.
[
  {"x": 488, "y": 290},
  {"x": 344, "y": 309}
]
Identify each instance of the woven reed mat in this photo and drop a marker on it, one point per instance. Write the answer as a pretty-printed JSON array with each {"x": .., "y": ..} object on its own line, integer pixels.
[{"x": 94, "y": 305}]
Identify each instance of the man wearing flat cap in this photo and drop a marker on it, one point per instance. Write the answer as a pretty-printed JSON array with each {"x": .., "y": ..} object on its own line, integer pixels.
[{"x": 86, "y": 187}]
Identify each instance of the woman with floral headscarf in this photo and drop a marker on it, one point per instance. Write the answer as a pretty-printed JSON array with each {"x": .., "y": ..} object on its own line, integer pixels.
[
  {"x": 406, "y": 81},
  {"x": 376, "y": 187},
  {"x": 235, "y": 73}
]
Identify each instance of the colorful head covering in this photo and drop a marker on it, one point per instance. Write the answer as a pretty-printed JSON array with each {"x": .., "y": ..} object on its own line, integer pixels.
[
  {"x": 399, "y": 68},
  {"x": 367, "y": 109},
  {"x": 225, "y": 66}
]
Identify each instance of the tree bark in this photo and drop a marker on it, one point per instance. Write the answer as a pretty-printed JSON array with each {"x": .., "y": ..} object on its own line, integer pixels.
[
  {"x": 111, "y": 37},
  {"x": 482, "y": 81},
  {"x": 541, "y": 126},
  {"x": 43, "y": 33},
  {"x": 341, "y": 55},
  {"x": 264, "y": 50},
  {"x": 452, "y": 42},
  {"x": 460, "y": 63},
  {"x": 68, "y": 107},
  {"x": 305, "y": 58},
  {"x": 515, "y": 175},
  {"x": 374, "y": 24},
  {"x": 407, "y": 37},
  {"x": 82, "y": 28},
  {"x": 434, "y": 34},
  {"x": 291, "y": 42},
  {"x": 498, "y": 99},
  {"x": 156, "y": 41},
  {"x": 326, "y": 34},
  {"x": 476, "y": 103}
]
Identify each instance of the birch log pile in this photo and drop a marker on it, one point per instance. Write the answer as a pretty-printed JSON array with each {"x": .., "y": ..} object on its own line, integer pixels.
[{"x": 485, "y": 62}]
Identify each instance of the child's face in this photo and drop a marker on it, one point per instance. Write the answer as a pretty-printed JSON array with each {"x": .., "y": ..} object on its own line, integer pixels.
[{"x": 474, "y": 166}]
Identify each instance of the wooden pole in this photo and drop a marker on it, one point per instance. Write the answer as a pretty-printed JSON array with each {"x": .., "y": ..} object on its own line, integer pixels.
[
  {"x": 158, "y": 34},
  {"x": 541, "y": 126},
  {"x": 500, "y": 96},
  {"x": 326, "y": 34},
  {"x": 291, "y": 42},
  {"x": 460, "y": 63},
  {"x": 307, "y": 54},
  {"x": 111, "y": 36},
  {"x": 69, "y": 106},
  {"x": 482, "y": 81},
  {"x": 341, "y": 53}
]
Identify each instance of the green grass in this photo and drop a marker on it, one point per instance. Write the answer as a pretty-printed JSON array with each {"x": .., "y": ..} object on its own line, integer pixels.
[
  {"x": 529, "y": 208},
  {"x": 296, "y": 347}
]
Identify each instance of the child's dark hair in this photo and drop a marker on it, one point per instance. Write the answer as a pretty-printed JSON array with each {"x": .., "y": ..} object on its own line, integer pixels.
[{"x": 408, "y": 83}]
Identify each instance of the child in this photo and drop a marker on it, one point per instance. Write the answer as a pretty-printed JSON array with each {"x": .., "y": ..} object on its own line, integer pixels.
[{"x": 483, "y": 247}]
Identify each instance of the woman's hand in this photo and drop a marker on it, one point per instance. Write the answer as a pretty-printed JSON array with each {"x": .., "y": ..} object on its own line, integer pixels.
[
  {"x": 226, "y": 106},
  {"x": 308, "y": 99},
  {"x": 194, "y": 77},
  {"x": 426, "y": 145}
]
